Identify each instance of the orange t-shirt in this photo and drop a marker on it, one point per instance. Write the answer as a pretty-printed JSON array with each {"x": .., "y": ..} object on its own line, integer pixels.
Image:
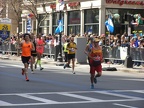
[{"x": 26, "y": 49}]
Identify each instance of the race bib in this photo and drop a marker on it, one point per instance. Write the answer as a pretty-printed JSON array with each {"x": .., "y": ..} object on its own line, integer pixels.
[{"x": 97, "y": 58}]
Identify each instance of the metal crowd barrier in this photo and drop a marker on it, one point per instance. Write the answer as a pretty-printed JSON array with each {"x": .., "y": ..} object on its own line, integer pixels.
[
  {"x": 109, "y": 53},
  {"x": 120, "y": 53},
  {"x": 5, "y": 47},
  {"x": 11, "y": 49},
  {"x": 137, "y": 54},
  {"x": 49, "y": 50}
]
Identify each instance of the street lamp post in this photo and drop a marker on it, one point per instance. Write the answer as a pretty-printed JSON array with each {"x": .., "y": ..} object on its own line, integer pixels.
[
  {"x": 60, "y": 42},
  {"x": 59, "y": 5}
]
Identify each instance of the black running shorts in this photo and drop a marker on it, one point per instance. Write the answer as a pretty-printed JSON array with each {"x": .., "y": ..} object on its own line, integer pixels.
[
  {"x": 71, "y": 56},
  {"x": 25, "y": 59}
]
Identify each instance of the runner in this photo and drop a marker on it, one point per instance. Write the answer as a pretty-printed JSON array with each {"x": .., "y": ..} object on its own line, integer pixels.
[
  {"x": 71, "y": 47},
  {"x": 26, "y": 47},
  {"x": 40, "y": 49},
  {"x": 89, "y": 47},
  {"x": 66, "y": 51},
  {"x": 95, "y": 62},
  {"x": 33, "y": 53}
]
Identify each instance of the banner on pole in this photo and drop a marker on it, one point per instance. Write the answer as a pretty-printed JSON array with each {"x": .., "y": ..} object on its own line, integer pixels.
[{"x": 5, "y": 27}]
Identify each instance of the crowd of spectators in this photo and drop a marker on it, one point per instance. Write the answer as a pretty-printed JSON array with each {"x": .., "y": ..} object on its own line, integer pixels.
[{"x": 133, "y": 41}]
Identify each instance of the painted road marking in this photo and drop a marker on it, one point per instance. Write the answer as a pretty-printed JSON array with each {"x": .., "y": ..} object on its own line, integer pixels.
[
  {"x": 37, "y": 98},
  {"x": 86, "y": 99},
  {"x": 4, "y": 103},
  {"x": 118, "y": 95},
  {"x": 80, "y": 97},
  {"x": 122, "y": 105}
]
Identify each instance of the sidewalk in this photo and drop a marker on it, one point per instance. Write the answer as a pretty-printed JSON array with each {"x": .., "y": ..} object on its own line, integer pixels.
[{"x": 52, "y": 62}]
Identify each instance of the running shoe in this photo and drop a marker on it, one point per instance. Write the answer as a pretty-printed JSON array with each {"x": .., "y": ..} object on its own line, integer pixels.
[
  {"x": 92, "y": 86},
  {"x": 73, "y": 72},
  {"x": 41, "y": 68},
  {"x": 95, "y": 80},
  {"x": 65, "y": 65},
  {"x": 23, "y": 72},
  {"x": 27, "y": 79}
]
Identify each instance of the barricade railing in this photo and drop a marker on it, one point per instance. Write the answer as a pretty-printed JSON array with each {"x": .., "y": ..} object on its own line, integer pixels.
[
  {"x": 11, "y": 49},
  {"x": 110, "y": 53},
  {"x": 5, "y": 47},
  {"x": 120, "y": 53},
  {"x": 137, "y": 54},
  {"x": 49, "y": 50}
]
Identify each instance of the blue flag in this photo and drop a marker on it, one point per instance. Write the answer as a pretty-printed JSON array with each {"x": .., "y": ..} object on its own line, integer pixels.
[
  {"x": 90, "y": 30},
  {"x": 109, "y": 25},
  {"x": 59, "y": 29}
]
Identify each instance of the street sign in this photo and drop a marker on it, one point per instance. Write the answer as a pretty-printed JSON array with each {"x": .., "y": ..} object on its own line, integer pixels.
[{"x": 5, "y": 27}]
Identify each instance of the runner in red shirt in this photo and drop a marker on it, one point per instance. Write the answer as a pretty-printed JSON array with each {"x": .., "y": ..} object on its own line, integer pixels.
[
  {"x": 40, "y": 49},
  {"x": 95, "y": 61}
]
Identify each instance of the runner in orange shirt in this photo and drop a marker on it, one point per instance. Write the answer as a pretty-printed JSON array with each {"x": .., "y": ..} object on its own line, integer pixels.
[{"x": 26, "y": 47}]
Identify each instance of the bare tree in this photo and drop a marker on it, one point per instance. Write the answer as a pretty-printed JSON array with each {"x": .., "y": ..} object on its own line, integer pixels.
[
  {"x": 15, "y": 9},
  {"x": 2, "y": 8},
  {"x": 32, "y": 7}
]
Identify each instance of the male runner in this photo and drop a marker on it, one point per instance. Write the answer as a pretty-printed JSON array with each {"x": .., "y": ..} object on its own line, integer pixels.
[
  {"x": 33, "y": 53},
  {"x": 71, "y": 47},
  {"x": 96, "y": 57},
  {"x": 26, "y": 47}
]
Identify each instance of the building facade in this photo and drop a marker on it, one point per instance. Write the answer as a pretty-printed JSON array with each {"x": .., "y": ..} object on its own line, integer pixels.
[{"x": 88, "y": 16}]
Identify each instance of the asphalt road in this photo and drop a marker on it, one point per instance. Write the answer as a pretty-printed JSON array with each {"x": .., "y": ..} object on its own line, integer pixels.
[{"x": 55, "y": 87}]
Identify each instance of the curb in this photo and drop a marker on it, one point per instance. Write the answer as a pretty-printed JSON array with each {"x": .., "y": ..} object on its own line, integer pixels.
[
  {"x": 122, "y": 69},
  {"x": 131, "y": 70}
]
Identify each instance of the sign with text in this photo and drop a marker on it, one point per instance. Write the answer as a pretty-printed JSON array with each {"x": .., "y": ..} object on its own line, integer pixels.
[
  {"x": 128, "y": 2},
  {"x": 5, "y": 27}
]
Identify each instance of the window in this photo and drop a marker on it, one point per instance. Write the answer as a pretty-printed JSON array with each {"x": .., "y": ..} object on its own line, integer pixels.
[
  {"x": 44, "y": 20},
  {"x": 91, "y": 16},
  {"x": 44, "y": 24},
  {"x": 91, "y": 20},
  {"x": 74, "y": 18}
]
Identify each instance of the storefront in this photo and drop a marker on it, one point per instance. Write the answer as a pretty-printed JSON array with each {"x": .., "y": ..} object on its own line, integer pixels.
[
  {"x": 123, "y": 13},
  {"x": 90, "y": 16}
]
